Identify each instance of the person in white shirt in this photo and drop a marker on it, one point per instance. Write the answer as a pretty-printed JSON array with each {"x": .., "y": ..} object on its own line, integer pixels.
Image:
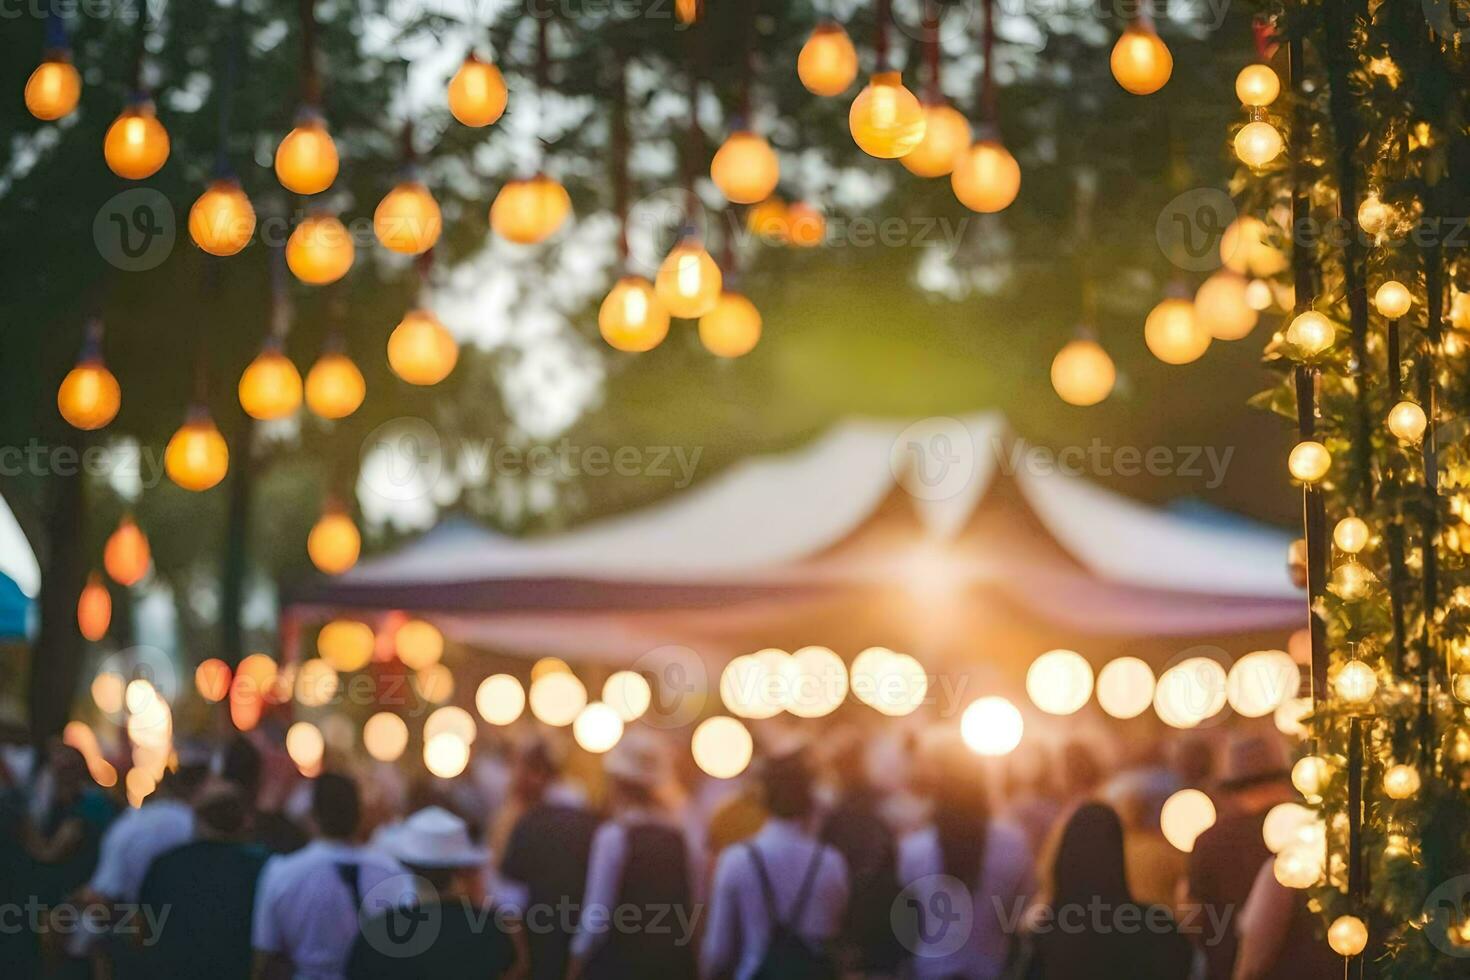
[
  {"x": 307, "y": 903},
  {"x": 808, "y": 883}
]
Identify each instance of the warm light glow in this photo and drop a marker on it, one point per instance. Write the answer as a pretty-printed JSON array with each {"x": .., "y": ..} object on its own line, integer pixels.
[
  {"x": 1407, "y": 422},
  {"x": 1246, "y": 248},
  {"x": 750, "y": 686},
  {"x": 1125, "y": 687},
  {"x": 1297, "y": 866},
  {"x": 688, "y": 282},
  {"x": 108, "y": 692},
  {"x": 1393, "y": 299},
  {"x": 334, "y": 542},
  {"x": 334, "y": 386},
  {"x": 1141, "y": 61},
  {"x": 457, "y": 721},
  {"x": 407, "y": 219},
  {"x": 1257, "y": 85},
  {"x": 477, "y": 93},
  {"x": 136, "y": 145},
  {"x": 1311, "y": 332},
  {"x": 222, "y": 219},
  {"x": 632, "y": 318},
  {"x": 1222, "y": 307},
  {"x": 1258, "y": 143},
  {"x": 722, "y": 747},
  {"x": 316, "y": 683},
  {"x": 806, "y": 226},
  {"x": 306, "y": 159},
  {"x": 530, "y": 211},
  {"x": 196, "y": 457},
  {"x": 598, "y": 728},
  {"x": 817, "y": 682},
  {"x": 419, "y": 644},
  {"x": 557, "y": 698},
  {"x": 434, "y": 683},
  {"x": 1309, "y": 461},
  {"x": 732, "y": 328},
  {"x": 1186, "y": 815},
  {"x": 421, "y": 350},
  {"x": 500, "y": 699},
  {"x": 1309, "y": 775},
  {"x": 1355, "y": 682},
  {"x": 1347, "y": 935},
  {"x": 986, "y": 178},
  {"x": 126, "y": 556},
  {"x": 885, "y": 119},
  {"x": 1350, "y": 535},
  {"x": 1190, "y": 692},
  {"x": 446, "y": 755},
  {"x": 1401, "y": 782},
  {"x": 828, "y": 62},
  {"x": 1059, "y": 682},
  {"x": 320, "y": 250},
  {"x": 628, "y": 693},
  {"x": 1174, "y": 334},
  {"x": 1082, "y": 373},
  {"x": 1258, "y": 295},
  {"x": 305, "y": 745},
  {"x": 1373, "y": 214},
  {"x": 212, "y": 680},
  {"x": 89, "y": 396},
  {"x": 1288, "y": 717},
  {"x": 1260, "y": 682},
  {"x": 54, "y": 88},
  {"x": 385, "y": 736},
  {"x": 94, "y": 608},
  {"x": 1283, "y": 825},
  {"x": 769, "y": 221},
  {"x": 346, "y": 644},
  {"x": 991, "y": 726},
  {"x": 549, "y": 665},
  {"x": 270, "y": 387},
  {"x": 745, "y": 168},
  {"x": 946, "y": 138}
]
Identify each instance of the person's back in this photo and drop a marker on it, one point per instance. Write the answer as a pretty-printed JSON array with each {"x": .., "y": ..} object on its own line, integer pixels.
[
  {"x": 858, "y": 831},
  {"x": 208, "y": 886},
  {"x": 548, "y": 854},
  {"x": 457, "y": 939},
  {"x": 1222, "y": 870}
]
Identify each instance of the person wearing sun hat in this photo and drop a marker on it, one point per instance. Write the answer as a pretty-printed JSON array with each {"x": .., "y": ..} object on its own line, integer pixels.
[
  {"x": 640, "y": 860},
  {"x": 447, "y": 929}
]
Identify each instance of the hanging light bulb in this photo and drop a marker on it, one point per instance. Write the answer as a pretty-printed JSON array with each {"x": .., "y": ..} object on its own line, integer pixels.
[
  {"x": 1350, "y": 535},
  {"x": 986, "y": 178},
  {"x": 94, "y": 608},
  {"x": 1246, "y": 248},
  {"x": 806, "y": 226},
  {"x": 1310, "y": 775},
  {"x": 828, "y": 62},
  {"x": 1309, "y": 461},
  {"x": 421, "y": 350},
  {"x": 407, "y": 220},
  {"x": 1401, "y": 782},
  {"x": 1258, "y": 143},
  {"x": 632, "y": 318},
  {"x": 1257, "y": 85},
  {"x": 222, "y": 218},
  {"x": 1355, "y": 682},
  {"x": 136, "y": 144},
  {"x": 1347, "y": 935},
  {"x": 1373, "y": 214},
  {"x": 1393, "y": 299},
  {"x": 270, "y": 388},
  {"x": 885, "y": 119},
  {"x": 334, "y": 386},
  {"x": 1407, "y": 422},
  {"x": 1082, "y": 373},
  {"x": 745, "y": 168},
  {"x": 306, "y": 159},
  {"x": 320, "y": 251},
  {"x": 89, "y": 396},
  {"x": 769, "y": 221},
  {"x": 1141, "y": 61},
  {"x": 1258, "y": 295},
  {"x": 732, "y": 328},
  {"x": 1173, "y": 333},
  {"x": 54, "y": 88},
  {"x": 126, "y": 556},
  {"x": 334, "y": 542},
  {"x": 477, "y": 93},
  {"x": 946, "y": 138},
  {"x": 530, "y": 211},
  {"x": 688, "y": 282},
  {"x": 1222, "y": 307},
  {"x": 1312, "y": 333},
  {"x": 197, "y": 457}
]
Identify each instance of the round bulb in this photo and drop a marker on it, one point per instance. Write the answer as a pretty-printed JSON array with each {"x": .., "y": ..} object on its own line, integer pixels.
[
  {"x": 885, "y": 119},
  {"x": 991, "y": 726},
  {"x": 451, "y": 719},
  {"x": 1311, "y": 332},
  {"x": 1373, "y": 214},
  {"x": 1246, "y": 248},
  {"x": 500, "y": 699},
  {"x": 1258, "y": 295},
  {"x": 597, "y": 729},
  {"x": 806, "y": 227},
  {"x": 1125, "y": 687},
  {"x": 1407, "y": 422},
  {"x": 222, "y": 219},
  {"x": 557, "y": 699},
  {"x": 385, "y": 736},
  {"x": 530, "y": 211},
  {"x": 477, "y": 93},
  {"x": 94, "y": 609},
  {"x": 745, "y": 168},
  {"x": 334, "y": 386},
  {"x": 1258, "y": 143},
  {"x": 418, "y": 644},
  {"x": 1223, "y": 308},
  {"x": 688, "y": 281},
  {"x": 305, "y": 745},
  {"x": 1355, "y": 682},
  {"x": 89, "y": 396},
  {"x": 1174, "y": 334},
  {"x": 1059, "y": 682},
  {"x": 421, "y": 350},
  {"x": 1309, "y": 461},
  {"x": 828, "y": 62},
  {"x": 1258, "y": 683},
  {"x": 346, "y": 645},
  {"x": 320, "y": 250},
  {"x": 1393, "y": 299},
  {"x": 306, "y": 159},
  {"x": 270, "y": 388},
  {"x": 1347, "y": 935},
  {"x": 632, "y": 318},
  {"x": 1401, "y": 782},
  {"x": 212, "y": 680},
  {"x": 946, "y": 138},
  {"x": 334, "y": 543},
  {"x": 196, "y": 457},
  {"x": 722, "y": 747},
  {"x": 1309, "y": 775},
  {"x": 136, "y": 145},
  {"x": 1350, "y": 535},
  {"x": 1297, "y": 867},
  {"x": 1082, "y": 373},
  {"x": 986, "y": 177},
  {"x": 1141, "y": 61},
  {"x": 1257, "y": 85},
  {"x": 126, "y": 556},
  {"x": 407, "y": 219},
  {"x": 1186, "y": 815},
  {"x": 769, "y": 221},
  {"x": 446, "y": 755},
  {"x": 54, "y": 88},
  {"x": 629, "y": 694},
  {"x": 1191, "y": 692},
  {"x": 732, "y": 328}
]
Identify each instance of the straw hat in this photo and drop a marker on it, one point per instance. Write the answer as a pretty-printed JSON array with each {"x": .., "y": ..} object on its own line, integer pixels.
[
  {"x": 640, "y": 758},
  {"x": 432, "y": 838}
]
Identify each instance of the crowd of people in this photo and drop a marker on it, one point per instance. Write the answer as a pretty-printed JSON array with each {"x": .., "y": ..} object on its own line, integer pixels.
[{"x": 863, "y": 855}]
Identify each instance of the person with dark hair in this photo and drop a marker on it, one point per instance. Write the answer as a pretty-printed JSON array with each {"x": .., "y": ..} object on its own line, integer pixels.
[
  {"x": 1089, "y": 927},
  {"x": 964, "y": 859},
  {"x": 208, "y": 888},
  {"x": 307, "y": 903},
  {"x": 779, "y": 899},
  {"x": 242, "y": 765}
]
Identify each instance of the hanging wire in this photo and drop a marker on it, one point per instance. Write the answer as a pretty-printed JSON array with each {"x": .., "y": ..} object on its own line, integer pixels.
[
  {"x": 934, "y": 92},
  {"x": 880, "y": 34},
  {"x": 311, "y": 81},
  {"x": 694, "y": 145},
  {"x": 56, "y": 39},
  {"x": 140, "y": 51},
  {"x": 621, "y": 147},
  {"x": 987, "y": 73},
  {"x": 229, "y": 74}
]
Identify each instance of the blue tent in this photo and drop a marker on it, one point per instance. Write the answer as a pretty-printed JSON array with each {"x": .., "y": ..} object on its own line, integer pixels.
[{"x": 15, "y": 610}]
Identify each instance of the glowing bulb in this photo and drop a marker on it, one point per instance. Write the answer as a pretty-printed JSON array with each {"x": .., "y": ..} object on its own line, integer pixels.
[
  {"x": 722, "y": 747},
  {"x": 769, "y": 221},
  {"x": 1312, "y": 332},
  {"x": 385, "y": 736},
  {"x": 1246, "y": 248},
  {"x": 197, "y": 457},
  {"x": 1082, "y": 373},
  {"x": 991, "y": 726},
  {"x": 434, "y": 683},
  {"x": 222, "y": 219},
  {"x": 54, "y": 88},
  {"x": 418, "y": 644},
  {"x": 946, "y": 138},
  {"x": 477, "y": 93},
  {"x": 126, "y": 556},
  {"x": 688, "y": 282},
  {"x": 1401, "y": 782},
  {"x": 828, "y": 62},
  {"x": 632, "y": 318},
  {"x": 598, "y": 728},
  {"x": 89, "y": 396},
  {"x": 94, "y": 609},
  {"x": 1309, "y": 461},
  {"x": 1257, "y": 85},
  {"x": 1296, "y": 867},
  {"x": 421, "y": 350},
  {"x": 1407, "y": 422},
  {"x": 818, "y": 682},
  {"x": 745, "y": 168},
  {"x": 316, "y": 683},
  {"x": 1186, "y": 815},
  {"x": 346, "y": 645},
  {"x": 305, "y": 745},
  {"x": 1223, "y": 308},
  {"x": 885, "y": 119},
  {"x": 109, "y": 692},
  {"x": 136, "y": 145},
  {"x": 212, "y": 680},
  {"x": 1125, "y": 687},
  {"x": 334, "y": 386},
  {"x": 1141, "y": 61},
  {"x": 407, "y": 219},
  {"x": 1393, "y": 299},
  {"x": 986, "y": 177},
  {"x": 1260, "y": 682},
  {"x": 306, "y": 159},
  {"x": 456, "y": 721},
  {"x": 747, "y": 686},
  {"x": 1347, "y": 935},
  {"x": 629, "y": 694},
  {"x": 1191, "y": 692},
  {"x": 1258, "y": 143},
  {"x": 1059, "y": 682},
  {"x": 557, "y": 698},
  {"x": 1355, "y": 682},
  {"x": 320, "y": 250},
  {"x": 1174, "y": 334},
  {"x": 530, "y": 211},
  {"x": 732, "y": 328},
  {"x": 1283, "y": 825},
  {"x": 1373, "y": 214},
  {"x": 446, "y": 755},
  {"x": 1258, "y": 295},
  {"x": 270, "y": 387},
  {"x": 500, "y": 699},
  {"x": 1309, "y": 775},
  {"x": 334, "y": 543},
  {"x": 806, "y": 227},
  {"x": 1350, "y": 535}
]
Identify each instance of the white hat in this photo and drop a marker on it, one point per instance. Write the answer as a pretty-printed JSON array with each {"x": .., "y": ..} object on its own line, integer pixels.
[
  {"x": 432, "y": 838},
  {"x": 640, "y": 758}
]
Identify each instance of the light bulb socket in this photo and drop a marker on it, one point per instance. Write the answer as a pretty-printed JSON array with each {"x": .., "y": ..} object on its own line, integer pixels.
[
  {"x": 986, "y": 131},
  {"x": 309, "y": 114},
  {"x": 197, "y": 414},
  {"x": 139, "y": 100}
]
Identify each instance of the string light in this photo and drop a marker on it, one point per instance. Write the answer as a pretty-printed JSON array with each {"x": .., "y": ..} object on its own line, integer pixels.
[
  {"x": 745, "y": 168},
  {"x": 1141, "y": 61},
  {"x": 1125, "y": 687},
  {"x": 477, "y": 92},
  {"x": 1373, "y": 214},
  {"x": 806, "y": 226},
  {"x": 530, "y": 211},
  {"x": 446, "y": 755},
  {"x": 1312, "y": 333},
  {"x": 732, "y": 328},
  {"x": 946, "y": 138},
  {"x": 1173, "y": 334},
  {"x": 212, "y": 680},
  {"x": 1350, "y": 535},
  {"x": 334, "y": 386},
  {"x": 1347, "y": 935},
  {"x": 418, "y": 644},
  {"x": 629, "y": 694},
  {"x": 986, "y": 178},
  {"x": 320, "y": 250},
  {"x": 557, "y": 698},
  {"x": 136, "y": 145},
  {"x": 334, "y": 542},
  {"x": 1309, "y": 775},
  {"x": 94, "y": 609},
  {"x": 89, "y": 396},
  {"x": 1309, "y": 461},
  {"x": 1400, "y": 782},
  {"x": 270, "y": 387},
  {"x": 385, "y": 736},
  {"x": 769, "y": 221},
  {"x": 1283, "y": 825},
  {"x": 1246, "y": 248},
  {"x": 722, "y": 747},
  {"x": 222, "y": 219},
  {"x": 421, "y": 350},
  {"x": 598, "y": 728},
  {"x": 196, "y": 457},
  {"x": 689, "y": 281},
  {"x": 1393, "y": 299},
  {"x": 1222, "y": 307},
  {"x": 305, "y": 745},
  {"x": 126, "y": 556},
  {"x": 1258, "y": 143},
  {"x": 316, "y": 684},
  {"x": 456, "y": 721},
  {"x": 500, "y": 699},
  {"x": 885, "y": 119},
  {"x": 1186, "y": 815},
  {"x": 1257, "y": 86},
  {"x": 1407, "y": 422},
  {"x": 632, "y": 318},
  {"x": 54, "y": 88},
  {"x": 346, "y": 645},
  {"x": 1082, "y": 373},
  {"x": 1059, "y": 682},
  {"x": 407, "y": 220},
  {"x": 991, "y": 726},
  {"x": 828, "y": 62},
  {"x": 306, "y": 158},
  {"x": 1355, "y": 682},
  {"x": 1260, "y": 682}
]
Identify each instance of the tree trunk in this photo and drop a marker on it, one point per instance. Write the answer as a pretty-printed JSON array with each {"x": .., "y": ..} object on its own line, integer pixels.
[
  {"x": 234, "y": 562},
  {"x": 56, "y": 658}
]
